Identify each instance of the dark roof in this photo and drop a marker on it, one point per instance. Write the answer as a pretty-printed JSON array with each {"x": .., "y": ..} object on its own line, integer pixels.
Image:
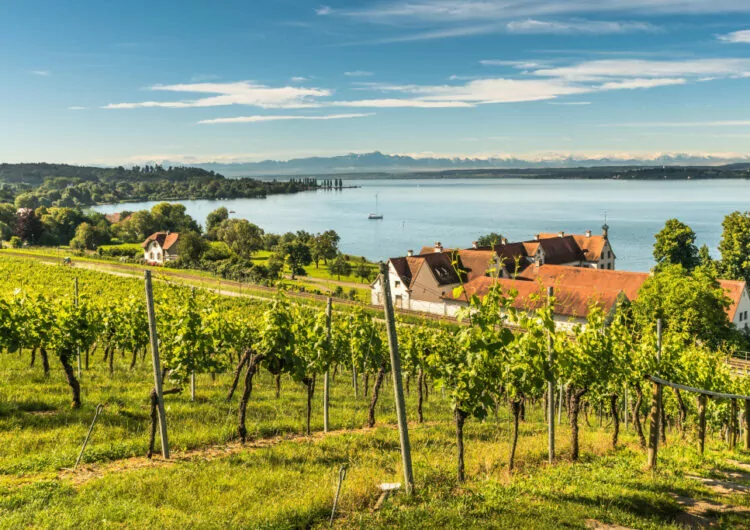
[
  {"x": 165, "y": 239},
  {"x": 402, "y": 269},
  {"x": 513, "y": 256},
  {"x": 441, "y": 265},
  {"x": 559, "y": 250}
]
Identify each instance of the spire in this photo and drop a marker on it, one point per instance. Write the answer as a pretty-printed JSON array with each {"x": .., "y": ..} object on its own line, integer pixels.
[{"x": 605, "y": 226}]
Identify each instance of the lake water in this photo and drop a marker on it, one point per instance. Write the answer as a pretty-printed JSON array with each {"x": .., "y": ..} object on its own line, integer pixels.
[{"x": 456, "y": 211}]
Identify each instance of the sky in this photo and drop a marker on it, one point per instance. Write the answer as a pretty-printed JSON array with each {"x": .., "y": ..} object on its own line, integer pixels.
[{"x": 125, "y": 82}]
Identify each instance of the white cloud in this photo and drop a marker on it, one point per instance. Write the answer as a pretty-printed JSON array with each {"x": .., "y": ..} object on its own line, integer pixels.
[
  {"x": 742, "y": 36},
  {"x": 603, "y": 70},
  {"x": 41, "y": 73},
  {"x": 76, "y": 108},
  {"x": 257, "y": 119},
  {"x": 358, "y": 73},
  {"x": 402, "y": 103},
  {"x": 719, "y": 123},
  {"x": 239, "y": 93},
  {"x": 462, "y": 10},
  {"x": 299, "y": 79},
  {"x": 522, "y": 65},
  {"x": 594, "y": 27},
  {"x": 631, "y": 84},
  {"x": 323, "y": 10}
]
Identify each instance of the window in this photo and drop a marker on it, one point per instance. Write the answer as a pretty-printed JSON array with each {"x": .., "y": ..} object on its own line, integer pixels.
[
  {"x": 399, "y": 301},
  {"x": 397, "y": 283},
  {"x": 609, "y": 253}
]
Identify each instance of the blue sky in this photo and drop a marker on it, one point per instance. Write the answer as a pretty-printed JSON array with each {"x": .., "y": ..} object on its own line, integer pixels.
[{"x": 115, "y": 82}]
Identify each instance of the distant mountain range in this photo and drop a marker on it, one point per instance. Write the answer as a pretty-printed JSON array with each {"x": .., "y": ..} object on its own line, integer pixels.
[{"x": 377, "y": 162}]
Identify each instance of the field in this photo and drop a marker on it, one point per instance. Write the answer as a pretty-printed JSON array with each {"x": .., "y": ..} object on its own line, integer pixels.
[{"x": 281, "y": 478}]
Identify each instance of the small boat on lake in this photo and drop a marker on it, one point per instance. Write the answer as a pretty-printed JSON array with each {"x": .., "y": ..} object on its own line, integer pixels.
[{"x": 375, "y": 216}]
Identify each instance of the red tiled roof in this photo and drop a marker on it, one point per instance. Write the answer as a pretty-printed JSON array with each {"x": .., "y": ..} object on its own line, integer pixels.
[
  {"x": 604, "y": 280},
  {"x": 476, "y": 263},
  {"x": 165, "y": 239},
  {"x": 734, "y": 290},
  {"x": 570, "y": 301},
  {"x": 559, "y": 250}
]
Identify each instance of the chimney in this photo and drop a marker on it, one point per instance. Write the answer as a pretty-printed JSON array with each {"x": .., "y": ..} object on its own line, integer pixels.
[
  {"x": 536, "y": 237},
  {"x": 504, "y": 240},
  {"x": 438, "y": 247},
  {"x": 588, "y": 233},
  {"x": 167, "y": 232},
  {"x": 409, "y": 253},
  {"x": 475, "y": 245},
  {"x": 561, "y": 233}
]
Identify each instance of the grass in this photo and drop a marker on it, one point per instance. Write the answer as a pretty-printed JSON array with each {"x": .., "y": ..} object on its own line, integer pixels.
[{"x": 285, "y": 480}]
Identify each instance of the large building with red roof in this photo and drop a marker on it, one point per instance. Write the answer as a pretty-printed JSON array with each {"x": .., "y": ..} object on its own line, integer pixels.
[{"x": 579, "y": 268}]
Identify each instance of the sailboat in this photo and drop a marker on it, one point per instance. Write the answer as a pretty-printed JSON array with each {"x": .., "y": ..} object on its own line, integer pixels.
[{"x": 375, "y": 216}]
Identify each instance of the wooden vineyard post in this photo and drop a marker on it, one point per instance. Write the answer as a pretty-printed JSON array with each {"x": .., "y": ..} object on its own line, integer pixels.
[
  {"x": 157, "y": 365},
  {"x": 733, "y": 424},
  {"x": 75, "y": 301},
  {"x": 326, "y": 376},
  {"x": 398, "y": 388},
  {"x": 746, "y": 421},
  {"x": 702, "y": 422},
  {"x": 653, "y": 435},
  {"x": 550, "y": 389},
  {"x": 625, "y": 411}
]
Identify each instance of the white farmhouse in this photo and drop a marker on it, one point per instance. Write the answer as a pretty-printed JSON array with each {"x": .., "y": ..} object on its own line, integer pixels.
[{"x": 161, "y": 247}]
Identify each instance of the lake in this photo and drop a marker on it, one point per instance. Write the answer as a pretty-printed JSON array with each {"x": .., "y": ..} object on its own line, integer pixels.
[{"x": 456, "y": 211}]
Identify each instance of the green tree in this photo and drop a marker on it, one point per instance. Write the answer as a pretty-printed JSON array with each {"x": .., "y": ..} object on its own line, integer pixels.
[
  {"x": 215, "y": 218},
  {"x": 340, "y": 267},
  {"x": 86, "y": 237},
  {"x": 675, "y": 245},
  {"x": 191, "y": 247},
  {"x": 691, "y": 304},
  {"x": 242, "y": 237},
  {"x": 297, "y": 256},
  {"x": 325, "y": 246},
  {"x": 363, "y": 271},
  {"x": 489, "y": 240},
  {"x": 735, "y": 246}
]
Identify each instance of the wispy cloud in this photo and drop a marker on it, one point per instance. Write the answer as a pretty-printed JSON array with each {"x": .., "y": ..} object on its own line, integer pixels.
[
  {"x": 299, "y": 79},
  {"x": 691, "y": 124},
  {"x": 742, "y": 36},
  {"x": 257, "y": 119},
  {"x": 461, "y": 10},
  {"x": 641, "y": 68},
  {"x": 239, "y": 93},
  {"x": 358, "y": 73},
  {"x": 572, "y": 103},
  {"x": 632, "y": 84},
  {"x": 594, "y": 27},
  {"x": 535, "y": 82},
  {"x": 76, "y": 108},
  {"x": 41, "y": 73},
  {"x": 523, "y": 65}
]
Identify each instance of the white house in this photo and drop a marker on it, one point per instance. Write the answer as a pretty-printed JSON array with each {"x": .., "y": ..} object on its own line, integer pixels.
[{"x": 161, "y": 247}]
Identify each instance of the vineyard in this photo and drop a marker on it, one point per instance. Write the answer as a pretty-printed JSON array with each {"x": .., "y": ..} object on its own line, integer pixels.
[{"x": 265, "y": 401}]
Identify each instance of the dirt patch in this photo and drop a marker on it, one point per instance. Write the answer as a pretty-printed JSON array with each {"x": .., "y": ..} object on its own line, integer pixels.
[
  {"x": 87, "y": 472},
  {"x": 722, "y": 487}
]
